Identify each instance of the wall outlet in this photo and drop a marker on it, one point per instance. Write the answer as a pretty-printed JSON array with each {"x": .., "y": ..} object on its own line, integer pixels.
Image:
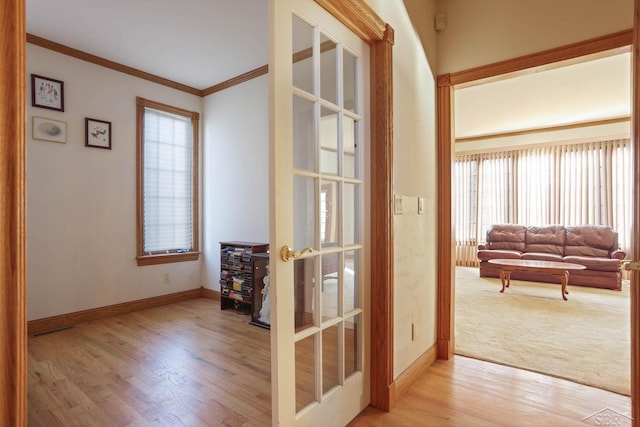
[
  {"x": 397, "y": 204},
  {"x": 166, "y": 278},
  {"x": 420, "y": 205}
]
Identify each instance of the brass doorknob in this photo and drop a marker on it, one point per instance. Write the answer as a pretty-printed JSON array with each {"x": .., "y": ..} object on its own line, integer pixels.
[{"x": 286, "y": 253}]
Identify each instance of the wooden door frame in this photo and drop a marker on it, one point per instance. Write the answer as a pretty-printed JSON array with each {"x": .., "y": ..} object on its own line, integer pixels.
[
  {"x": 362, "y": 20},
  {"x": 13, "y": 321},
  {"x": 446, "y": 264}
]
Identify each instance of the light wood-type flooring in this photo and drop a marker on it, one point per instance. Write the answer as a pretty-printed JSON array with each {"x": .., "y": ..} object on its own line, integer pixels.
[{"x": 191, "y": 364}]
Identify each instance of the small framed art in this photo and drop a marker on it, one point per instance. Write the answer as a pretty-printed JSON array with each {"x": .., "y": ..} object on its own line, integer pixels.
[
  {"x": 49, "y": 130},
  {"x": 47, "y": 93},
  {"x": 98, "y": 133}
]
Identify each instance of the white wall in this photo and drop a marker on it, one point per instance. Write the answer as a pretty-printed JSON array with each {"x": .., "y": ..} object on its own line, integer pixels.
[
  {"x": 236, "y": 170},
  {"x": 483, "y": 32},
  {"x": 81, "y": 201},
  {"x": 415, "y": 174}
]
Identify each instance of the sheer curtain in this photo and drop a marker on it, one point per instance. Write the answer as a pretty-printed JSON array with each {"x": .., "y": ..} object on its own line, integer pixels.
[{"x": 575, "y": 184}]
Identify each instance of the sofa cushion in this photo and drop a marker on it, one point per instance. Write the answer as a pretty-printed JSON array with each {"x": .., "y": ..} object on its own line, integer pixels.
[
  {"x": 506, "y": 236},
  {"x": 487, "y": 254},
  {"x": 546, "y": 239},
  {"x": 586, "y": 251},
  {"x": 595, "y": 236},
  {"x": 594, "y": 263},
  {"x": 542, "y": 256}
]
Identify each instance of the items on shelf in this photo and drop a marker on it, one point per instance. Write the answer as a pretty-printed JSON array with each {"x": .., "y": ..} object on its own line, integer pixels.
[{"x": 236, "y": 274}]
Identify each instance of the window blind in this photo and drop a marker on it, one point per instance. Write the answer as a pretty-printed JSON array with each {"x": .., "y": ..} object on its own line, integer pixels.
[{"x": 167, "y": 176}]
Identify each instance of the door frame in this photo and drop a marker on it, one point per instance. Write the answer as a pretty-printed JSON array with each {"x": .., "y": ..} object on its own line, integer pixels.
[
  {"x": 13, "y": 283},
  {"x": 623, "y": 41},
  {"x": 356, "y": 15}
]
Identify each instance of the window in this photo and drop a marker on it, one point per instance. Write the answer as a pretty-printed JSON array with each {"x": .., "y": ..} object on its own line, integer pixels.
[{"x": 167, "y": 146}]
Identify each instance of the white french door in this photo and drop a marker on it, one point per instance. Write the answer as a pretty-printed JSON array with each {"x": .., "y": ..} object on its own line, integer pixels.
[{"x": 319, "y": 260}]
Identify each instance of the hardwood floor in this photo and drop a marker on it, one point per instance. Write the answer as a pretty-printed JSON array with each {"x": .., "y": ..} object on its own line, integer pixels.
[{"x": 191, "y": 364}]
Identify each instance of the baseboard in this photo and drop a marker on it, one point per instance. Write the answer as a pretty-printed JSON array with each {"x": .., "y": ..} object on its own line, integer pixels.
[
  {"x": 415, "y": 370},
  {"x": 211, "y": 294},
  {"x": 66, "y": 320}
]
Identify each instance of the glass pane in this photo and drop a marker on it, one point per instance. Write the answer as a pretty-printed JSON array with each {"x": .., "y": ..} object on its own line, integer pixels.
[
  {"x": 329, "y": 218},
  {"x": 304, "y": 154},
  {"x": 305, "y": 373},
  {"x": 328, "y": 141},
  {"x": 304, "y": 277},
  {"x": 304, "y": 213},
  {"x": 302, "y": 55},
  {"x": 349, "y": 82},
  {"x": 350, "y": 148},
  {"x": 351, "y": 280},
  {"x": 351, "y": 345},
  {"x": 328, "y": 70},
  {"x": 330, "y": 358},
  {"x": 351, "y": 214},
  {"x": 330, "y": 295}
]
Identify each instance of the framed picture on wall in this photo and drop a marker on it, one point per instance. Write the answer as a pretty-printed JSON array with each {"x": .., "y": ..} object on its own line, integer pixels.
[
  {"x": 47, "y": 93},
  {"x": 98, "y": 133},
  {"x": 49, "y": 130}
]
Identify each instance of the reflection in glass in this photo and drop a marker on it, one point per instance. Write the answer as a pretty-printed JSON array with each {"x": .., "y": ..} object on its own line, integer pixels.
[
  {"x": 304, "y": 278},
  {"x": 302, "y": 55},
  {"x": 305, "y": 373},
  {"x": 304, "y": 213},
  {"x": 350, "y": 214},
  {"x": 303, "y": 135},
  {"x": 330, "y": 296},
  {"x": 350, "y": 147},
  {"x": 351, "y": 346},
  {"x": 328, "y": 70},
  {"x": 328, "y": 141},
  {"x": 349, "y": 82},
  {"x": 330, "y": 358},
  {"x": 329, "y": 219},
  {"x": 351, "y": 280}
]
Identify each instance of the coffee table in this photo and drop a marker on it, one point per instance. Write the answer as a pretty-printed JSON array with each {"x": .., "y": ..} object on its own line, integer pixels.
[{"x": 559, "y": 270}]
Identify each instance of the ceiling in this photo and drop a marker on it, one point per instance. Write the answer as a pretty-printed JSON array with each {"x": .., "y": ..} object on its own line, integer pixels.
[
  {"x": 201, "y": 43},
  {"x": 198, "y": 43}
]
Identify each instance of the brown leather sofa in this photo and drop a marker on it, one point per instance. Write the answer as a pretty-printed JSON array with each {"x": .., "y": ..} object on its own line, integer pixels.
[{"x": 594, "y": 246}]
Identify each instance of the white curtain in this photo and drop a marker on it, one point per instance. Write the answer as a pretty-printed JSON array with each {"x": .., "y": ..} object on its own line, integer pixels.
[{"x": 574, "y": 184}]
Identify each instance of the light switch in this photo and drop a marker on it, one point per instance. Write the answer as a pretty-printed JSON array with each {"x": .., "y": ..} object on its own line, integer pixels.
[
  {"x": 420, "y": 205},
  {"x": 397, "y": 204}
]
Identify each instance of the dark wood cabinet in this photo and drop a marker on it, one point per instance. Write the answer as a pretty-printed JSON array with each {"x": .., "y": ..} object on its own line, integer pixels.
[{"x": 236, "y": 274}]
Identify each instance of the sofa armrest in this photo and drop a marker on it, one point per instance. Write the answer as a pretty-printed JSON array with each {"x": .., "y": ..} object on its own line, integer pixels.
[
  {"x": 483, "y": 247},
  {"x": 618, "y": 254}
]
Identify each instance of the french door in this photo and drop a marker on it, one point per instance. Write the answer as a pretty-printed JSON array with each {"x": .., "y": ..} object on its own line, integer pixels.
[{"x": 319, "y": 184}]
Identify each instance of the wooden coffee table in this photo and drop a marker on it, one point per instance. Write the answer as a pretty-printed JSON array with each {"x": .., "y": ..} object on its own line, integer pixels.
[{"x": 559, "y": 270}]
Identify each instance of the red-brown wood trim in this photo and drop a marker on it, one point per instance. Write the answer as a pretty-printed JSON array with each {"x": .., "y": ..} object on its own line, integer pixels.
[
  {"x": 415, "y": 370},
  {"x": 13, "y": 318},
  {"x": 236, "y": 80},
  {"x": 600, "y": 44},
  {"x": 635, "y": 276},
  {"x": 544, "y": 129},
  {"x": 84, "y": 56},
  {"x": 65, "y": 320},
  {"x": 382, "y": 381},
  {"x": 446, "y": 308},
  {"x": 359, "y": 17}
]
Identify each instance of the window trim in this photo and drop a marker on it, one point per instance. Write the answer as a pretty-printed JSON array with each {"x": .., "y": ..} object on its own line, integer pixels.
[{"x": 193, "y": 254}]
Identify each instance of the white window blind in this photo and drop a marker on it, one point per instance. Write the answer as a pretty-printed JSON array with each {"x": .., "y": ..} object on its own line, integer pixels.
[{"x": 167, "y": 176}]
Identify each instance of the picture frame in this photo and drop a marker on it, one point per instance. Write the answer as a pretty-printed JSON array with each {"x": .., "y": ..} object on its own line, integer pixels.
[
  {"x": 45, "y": 129},
  {"x": 97, "y": 133},
  {"x": 47, "y": 93}
]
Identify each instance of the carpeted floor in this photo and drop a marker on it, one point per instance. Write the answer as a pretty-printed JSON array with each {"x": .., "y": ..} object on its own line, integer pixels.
[{"x": 585, "y": 339}]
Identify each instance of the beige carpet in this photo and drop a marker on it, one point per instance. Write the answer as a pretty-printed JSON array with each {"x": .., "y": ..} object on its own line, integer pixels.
[{"x": 585, "y": 339}]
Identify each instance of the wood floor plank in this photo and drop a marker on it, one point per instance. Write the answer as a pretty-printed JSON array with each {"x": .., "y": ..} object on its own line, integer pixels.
[{"x": 192, "y": 364}]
